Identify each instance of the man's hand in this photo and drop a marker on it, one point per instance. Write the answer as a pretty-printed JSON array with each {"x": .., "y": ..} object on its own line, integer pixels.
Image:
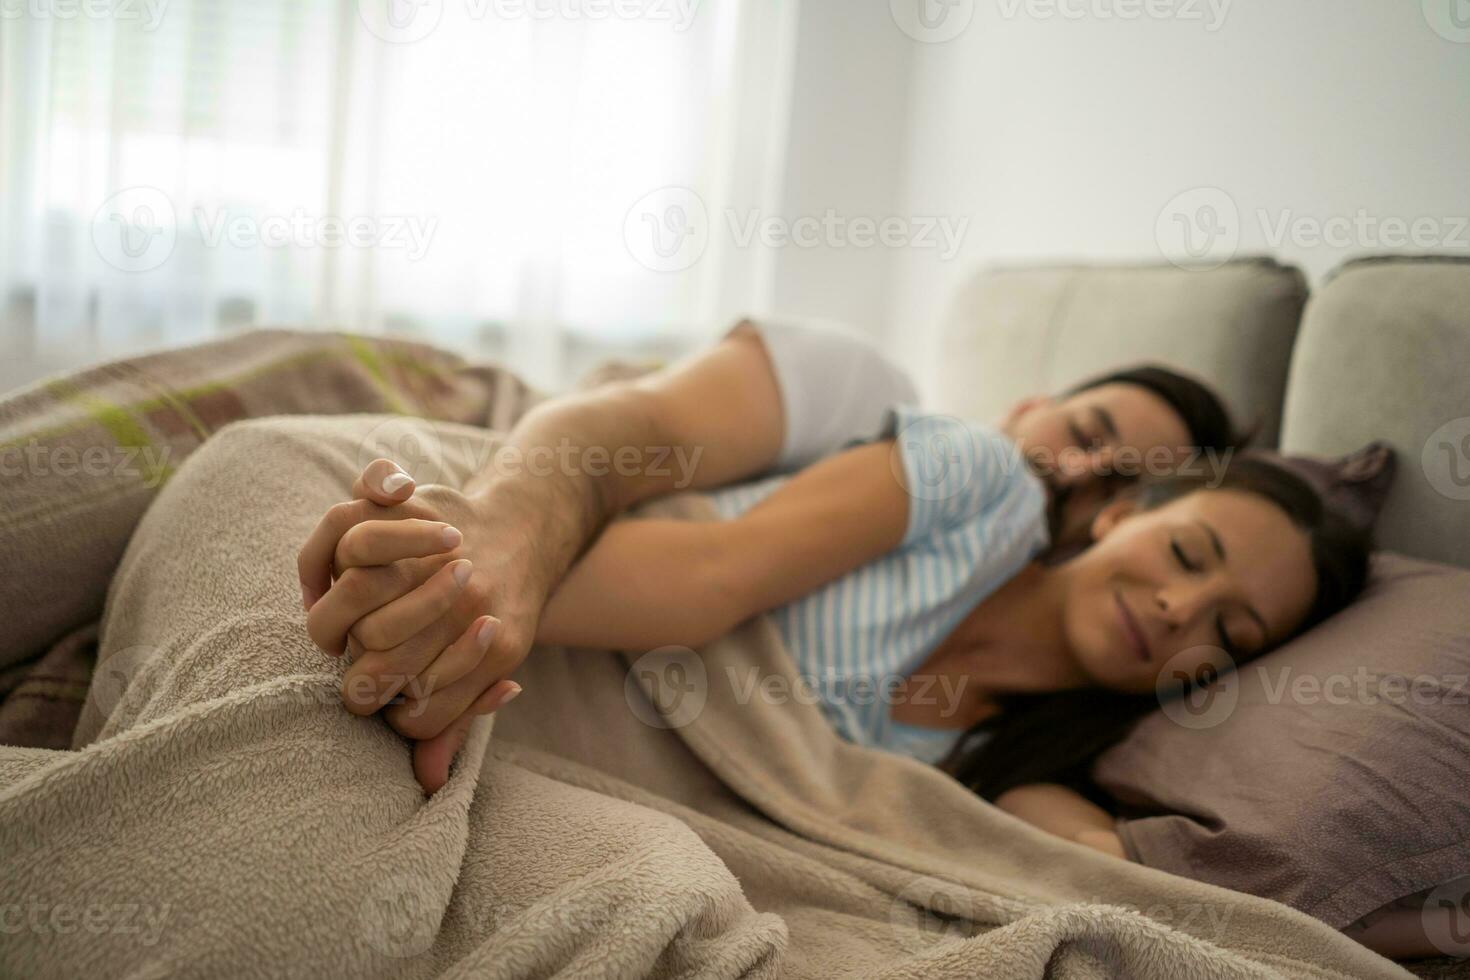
[{"x": 436, "y": 596}]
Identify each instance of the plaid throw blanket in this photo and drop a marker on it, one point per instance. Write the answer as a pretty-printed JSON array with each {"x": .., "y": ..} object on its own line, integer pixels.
[{"x": 83, "y": 455}]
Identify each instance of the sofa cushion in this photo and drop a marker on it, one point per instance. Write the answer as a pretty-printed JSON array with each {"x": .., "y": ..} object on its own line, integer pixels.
[
  {"x": 1013, "y": 332},
  {"x": 1383, "y": 353}
]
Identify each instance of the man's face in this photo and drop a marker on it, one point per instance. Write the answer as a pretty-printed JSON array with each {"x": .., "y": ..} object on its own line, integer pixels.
[{"x": 1085, "y": 446}]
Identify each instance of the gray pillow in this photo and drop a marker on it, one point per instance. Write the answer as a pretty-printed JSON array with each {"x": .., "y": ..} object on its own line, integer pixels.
[{"x": 1330, "y": 774}]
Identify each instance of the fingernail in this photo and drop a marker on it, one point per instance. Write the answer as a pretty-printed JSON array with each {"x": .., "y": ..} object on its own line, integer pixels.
[
  {"x": 396, "y": 481},
  {"x": 452, "y": 537},
  {"x": 462, "y": 570},
  {"x": 485, "y": 635},
  {"x": 512, "y": 691},
  {"x": 309, "y": 598}
]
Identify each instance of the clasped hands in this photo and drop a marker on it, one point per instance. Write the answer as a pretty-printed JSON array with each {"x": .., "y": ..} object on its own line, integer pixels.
[{"x": 434, "y": 596}]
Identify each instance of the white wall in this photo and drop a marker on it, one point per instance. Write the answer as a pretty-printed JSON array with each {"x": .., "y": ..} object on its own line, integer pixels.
[
  {"x": 1067, "y": 137},
  {"x": 845, "y": 153}
]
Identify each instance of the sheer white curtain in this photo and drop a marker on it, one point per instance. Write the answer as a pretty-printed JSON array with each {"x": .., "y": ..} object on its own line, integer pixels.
[{"x": 481, "y": 174}]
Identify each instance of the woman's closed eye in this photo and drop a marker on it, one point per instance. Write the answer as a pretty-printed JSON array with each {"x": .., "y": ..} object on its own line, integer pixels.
[{"x": 1185, "y": 562}]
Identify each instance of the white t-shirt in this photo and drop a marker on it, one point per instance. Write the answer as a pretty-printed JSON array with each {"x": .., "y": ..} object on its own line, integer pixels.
[{"x": 836, "y": 386}]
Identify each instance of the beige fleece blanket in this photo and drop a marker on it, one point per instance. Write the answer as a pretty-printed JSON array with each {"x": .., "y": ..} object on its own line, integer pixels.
[{"x": 676, "y": 814}]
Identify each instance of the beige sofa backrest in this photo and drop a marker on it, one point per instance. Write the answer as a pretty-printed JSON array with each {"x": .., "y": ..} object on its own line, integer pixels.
[
  {"x": 1020, "y": 331},
  {"x": 1384, "y": 353}
]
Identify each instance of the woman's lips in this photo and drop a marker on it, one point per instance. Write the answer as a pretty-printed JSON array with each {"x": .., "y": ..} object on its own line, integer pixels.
[{"x": 1132, "y": 630}]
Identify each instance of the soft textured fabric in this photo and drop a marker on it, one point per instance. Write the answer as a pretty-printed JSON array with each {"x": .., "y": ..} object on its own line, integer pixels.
[
  {"x": 1329, "y": 774},
  {"x": 976, "y": 516},
  {"x": 835, "y": 385},
  {"x": 1382, "y": 355},
  {"x": 89, "y": 450},
  {"x": 226, "y": 816},
  {"x": 1014, "y": 332}
]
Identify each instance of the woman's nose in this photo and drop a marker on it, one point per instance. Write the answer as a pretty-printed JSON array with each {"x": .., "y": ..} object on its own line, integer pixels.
[{"x": 1179, "y": 606}]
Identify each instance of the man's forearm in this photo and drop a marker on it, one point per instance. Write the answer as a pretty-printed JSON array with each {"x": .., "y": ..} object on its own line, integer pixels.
[
  {"x": 579, "y": 460},
  {"x": 549, "y": 473}
]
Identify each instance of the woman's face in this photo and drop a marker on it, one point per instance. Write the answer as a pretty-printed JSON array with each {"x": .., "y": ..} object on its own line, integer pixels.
[{"x": 1207, "y": 579}]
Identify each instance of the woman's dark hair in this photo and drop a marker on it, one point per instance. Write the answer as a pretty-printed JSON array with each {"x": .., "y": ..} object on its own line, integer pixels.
[
  {"x": 1054, "y": 738},
  {"x": 1203, "y": 413}
]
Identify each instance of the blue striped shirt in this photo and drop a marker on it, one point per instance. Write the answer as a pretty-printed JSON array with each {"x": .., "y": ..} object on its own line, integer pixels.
[{"x": 977, "y": 516}]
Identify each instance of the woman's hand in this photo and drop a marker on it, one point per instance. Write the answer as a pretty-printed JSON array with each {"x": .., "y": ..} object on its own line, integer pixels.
[
  {"x": 1065, "y": 813},
  {"x": 436, "y": 597}
]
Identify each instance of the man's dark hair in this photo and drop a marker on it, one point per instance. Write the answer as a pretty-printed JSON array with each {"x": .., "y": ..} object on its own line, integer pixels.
[{"x": 1201, "y": 409}]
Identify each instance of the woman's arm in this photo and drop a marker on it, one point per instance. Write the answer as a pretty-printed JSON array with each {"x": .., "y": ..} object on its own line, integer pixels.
[
  {"x": 649, "y": 583},
  {"x": 1065, "y": 813}
]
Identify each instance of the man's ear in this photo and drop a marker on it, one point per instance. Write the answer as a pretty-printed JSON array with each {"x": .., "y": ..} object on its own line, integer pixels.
[
  {"x": 1023, "y": 408},
  {"x": 1122, "y": 507}
]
